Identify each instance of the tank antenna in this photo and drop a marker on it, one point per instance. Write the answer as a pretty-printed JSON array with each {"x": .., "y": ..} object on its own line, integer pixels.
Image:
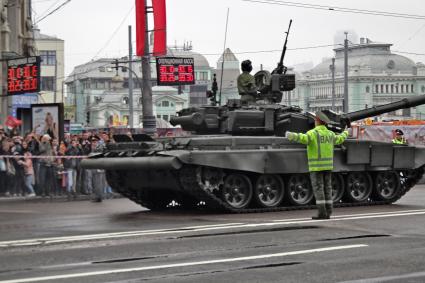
[{"x": 222, "y": 61}]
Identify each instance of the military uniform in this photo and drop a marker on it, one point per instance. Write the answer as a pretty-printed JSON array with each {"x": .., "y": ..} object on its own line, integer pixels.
[
  {"x": 320, "y": 149},
  {"x": 247, "y": 87},
  {"x": 399, "y": 139}
]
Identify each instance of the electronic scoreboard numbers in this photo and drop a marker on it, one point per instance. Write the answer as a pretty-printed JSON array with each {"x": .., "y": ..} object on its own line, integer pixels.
[
  {"x": 175, "y": 71},
  {"x": 23, "y": 75}
]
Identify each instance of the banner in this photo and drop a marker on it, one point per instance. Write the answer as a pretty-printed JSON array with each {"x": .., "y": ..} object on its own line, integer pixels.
[
  {"x": 48, "y": 119},
  {"x": 140, "y": 27},
  {"x": 160, "y": 28}
]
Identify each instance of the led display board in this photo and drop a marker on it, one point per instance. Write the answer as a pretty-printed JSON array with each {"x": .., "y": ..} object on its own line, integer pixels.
[
  {"x": 175, "y": 71},
  {"x": 23, "y": 75}
]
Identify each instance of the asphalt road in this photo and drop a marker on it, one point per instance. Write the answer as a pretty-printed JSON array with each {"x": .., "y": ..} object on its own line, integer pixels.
[{"x": 118, "y": 241}]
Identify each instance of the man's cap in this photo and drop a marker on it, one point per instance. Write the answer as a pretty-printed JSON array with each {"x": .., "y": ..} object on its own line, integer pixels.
[
  {"x": 399, "y": 132},
  {"x": 323, "y": 117}
]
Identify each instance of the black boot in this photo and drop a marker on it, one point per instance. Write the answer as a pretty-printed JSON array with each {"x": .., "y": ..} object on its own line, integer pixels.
[{"x": 322, "y": 214}]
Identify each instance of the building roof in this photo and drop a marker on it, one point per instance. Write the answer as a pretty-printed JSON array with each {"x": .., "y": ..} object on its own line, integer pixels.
[
  {"x": 369, "y": 55},
  {"x": 229, "y": 56},
  {"x": 200, "y": 60},
  {"x": 40, "y": 36}
]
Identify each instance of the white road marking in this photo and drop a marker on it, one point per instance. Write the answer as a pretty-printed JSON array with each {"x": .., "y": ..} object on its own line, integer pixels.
[
  {"x": 183, "y": 230},
  {"x": 194, "y": 263}
]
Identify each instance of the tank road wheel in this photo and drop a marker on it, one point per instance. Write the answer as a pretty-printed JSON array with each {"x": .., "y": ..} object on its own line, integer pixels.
[
  {"x": 387, "y": 185},
  {"x": 269, "y": 190},
  {"x": 237, "y": 191},
  {"x": 299, "y": 189},
  {"x": 359, "y": 186},
  {"x": 338, "y": 187}
]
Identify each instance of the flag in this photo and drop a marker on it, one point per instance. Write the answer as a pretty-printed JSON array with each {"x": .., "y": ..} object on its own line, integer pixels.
[
  {"x": 160, "y": 28},
  {"x": 12, "y": 122},
  {"x": 140, "y": 27}
]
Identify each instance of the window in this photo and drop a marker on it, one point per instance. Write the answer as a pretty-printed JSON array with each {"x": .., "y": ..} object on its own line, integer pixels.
[
  {"x": 48, "y": 57},
  {"x": 367, "y": 89},
  {"x": 140, "y": 119},
  {"x": 423, "y": 88},
  {"x": 402, "y": 89},
  {"x": 382, "y": 88},
  {"x": 47, "y": 83},
  {"x": 140, "y": 100},
  {"x": 158, "y": 116},
  {"x": 102, "y": 69},
  {"x": 392, "y": 88},
  {"x": 165, "y": 103},
  {"x": 386, "y": 89},
  {"x": 377, "y": 88},
  {"x": 165, "y": 117},
  {"x": 411, "y": 88},
  {"x": 125, "y": 100}
]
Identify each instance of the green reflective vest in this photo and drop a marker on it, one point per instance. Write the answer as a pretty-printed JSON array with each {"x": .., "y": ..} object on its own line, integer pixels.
[
  {"x": 320, "y": 146},
  {"x": 402, "y": 141}
]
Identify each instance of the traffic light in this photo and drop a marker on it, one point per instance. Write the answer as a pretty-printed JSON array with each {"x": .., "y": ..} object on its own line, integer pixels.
[{"x": 87, "y": 118}]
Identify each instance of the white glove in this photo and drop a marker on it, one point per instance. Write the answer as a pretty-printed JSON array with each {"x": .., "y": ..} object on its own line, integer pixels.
[{"x": 287, "y": 134}]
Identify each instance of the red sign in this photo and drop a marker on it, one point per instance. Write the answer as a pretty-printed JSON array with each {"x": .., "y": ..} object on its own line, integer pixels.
[
  {"x": 175, "y": 71},
  {"x": 23, "y": 75}
]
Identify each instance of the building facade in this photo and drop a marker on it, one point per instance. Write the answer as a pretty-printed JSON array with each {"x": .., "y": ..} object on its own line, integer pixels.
[
  {"x": 51, "y": 51},
  {"x": 97, "y": 81},
  {"x": 16, "y": 40},
  {"x": 375, "y": 76},
  {"x": 227, "y": 71}
]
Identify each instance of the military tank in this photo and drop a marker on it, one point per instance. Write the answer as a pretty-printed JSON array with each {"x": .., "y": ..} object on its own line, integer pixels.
[{"x": 238, "y": 160}]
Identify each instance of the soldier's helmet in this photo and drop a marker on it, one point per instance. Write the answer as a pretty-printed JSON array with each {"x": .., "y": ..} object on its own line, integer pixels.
[
  {"x": 399, "y": 132},
  {"x": 246, "y": 66}
]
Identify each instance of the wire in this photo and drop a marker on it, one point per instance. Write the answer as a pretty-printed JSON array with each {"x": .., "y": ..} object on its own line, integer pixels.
[
  {"x": 338, "y": 9},
  {"x": 274, "y": 50},
  {"x": 59, "y": 7},
  {"x": 47, "y": 10},
  {"x": 114, "y": 33}
]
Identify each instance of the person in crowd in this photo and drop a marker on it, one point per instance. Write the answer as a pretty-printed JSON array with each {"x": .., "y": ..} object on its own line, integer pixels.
[
  {"x": 71, "y": 165},
  {"x": 47, "y": 179},
  {"x": 96, "y": 177},
  {"x": 320, "y": 143},
  {"x": 18, "y": 187},
  {"x": 26, "y": 163},
  {"x": 399, "y": 137}
]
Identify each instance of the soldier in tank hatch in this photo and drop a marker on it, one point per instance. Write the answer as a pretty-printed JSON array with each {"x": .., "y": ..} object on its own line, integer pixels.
[
  {"x": 246, "y": 83},
  {"x": 320, "y": 149}
]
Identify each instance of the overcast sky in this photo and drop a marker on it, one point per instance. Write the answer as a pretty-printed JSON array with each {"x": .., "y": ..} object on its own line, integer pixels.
[{"x": 91, "y": 28}]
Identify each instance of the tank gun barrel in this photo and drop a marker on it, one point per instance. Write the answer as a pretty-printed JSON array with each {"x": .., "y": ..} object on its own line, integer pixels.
[
  {"x": 340, "y": 121},
  {"x": 381, "y": 109}
]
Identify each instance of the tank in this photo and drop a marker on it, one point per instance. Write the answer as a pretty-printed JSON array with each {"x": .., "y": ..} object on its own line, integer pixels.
[{"x": 238, "y": 160}]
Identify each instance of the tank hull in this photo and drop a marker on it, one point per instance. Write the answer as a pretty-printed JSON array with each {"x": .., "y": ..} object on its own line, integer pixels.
[{"x": 244, "y": 174}]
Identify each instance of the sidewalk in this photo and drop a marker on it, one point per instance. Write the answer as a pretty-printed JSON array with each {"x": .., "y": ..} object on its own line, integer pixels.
[{"x": 61, "y": 198}]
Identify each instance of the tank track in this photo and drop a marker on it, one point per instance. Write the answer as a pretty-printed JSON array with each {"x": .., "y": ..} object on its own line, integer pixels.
[{"x": 192, "y": 185}]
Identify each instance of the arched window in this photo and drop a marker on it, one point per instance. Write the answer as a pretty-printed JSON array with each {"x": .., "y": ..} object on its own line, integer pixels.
[
  {"x": 125, "y": 100},
  {"x": 367, "y": 89}
]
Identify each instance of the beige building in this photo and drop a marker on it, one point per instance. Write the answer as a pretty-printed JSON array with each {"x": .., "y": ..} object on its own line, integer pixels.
[
  {"x": 51, "y": 51},
  {"x": 16, "y": 40}
]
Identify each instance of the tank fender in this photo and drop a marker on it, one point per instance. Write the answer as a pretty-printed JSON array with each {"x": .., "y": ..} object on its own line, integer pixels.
[{"x": 129, "y": 163}]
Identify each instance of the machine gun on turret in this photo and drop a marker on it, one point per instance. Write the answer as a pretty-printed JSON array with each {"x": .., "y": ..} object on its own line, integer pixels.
[{"x": 271, "y": 85}]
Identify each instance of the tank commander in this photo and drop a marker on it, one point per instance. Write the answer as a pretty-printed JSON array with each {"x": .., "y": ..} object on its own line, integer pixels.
[
  {"x": 399, "y": 137},
  {"x": 320, "y": 150},
  {"x": 246, "y": 83}
]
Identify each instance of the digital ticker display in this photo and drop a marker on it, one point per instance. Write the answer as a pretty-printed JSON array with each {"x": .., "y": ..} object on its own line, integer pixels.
[
  {"x": 23, "y": 75},
  {"x": 175, "y": 71}
]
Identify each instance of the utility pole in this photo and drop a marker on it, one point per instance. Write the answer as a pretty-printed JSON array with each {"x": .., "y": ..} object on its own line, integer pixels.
[
  {"x": 345, "y": 106},
  {"x": 149, "y": 121},
  {"x": 333, "y": 83},
  {"x": 130, "y": 79}
]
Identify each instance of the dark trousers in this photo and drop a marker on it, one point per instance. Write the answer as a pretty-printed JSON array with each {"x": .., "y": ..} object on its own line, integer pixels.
[
  {"x": 47, "y": 180},
  {"x": 321, "y": 183}
]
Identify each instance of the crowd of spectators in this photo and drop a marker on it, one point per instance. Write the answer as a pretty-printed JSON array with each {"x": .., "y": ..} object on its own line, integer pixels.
[{"x": 37, "y": 165}]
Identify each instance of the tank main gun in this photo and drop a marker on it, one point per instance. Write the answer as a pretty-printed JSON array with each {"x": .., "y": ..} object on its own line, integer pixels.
[{"x": 340, "y": 121}]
